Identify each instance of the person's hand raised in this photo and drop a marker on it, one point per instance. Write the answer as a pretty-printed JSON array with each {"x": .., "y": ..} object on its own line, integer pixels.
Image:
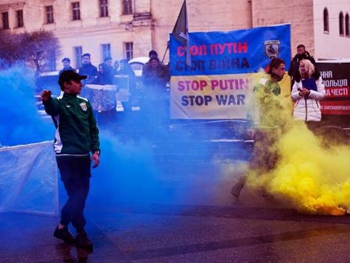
[{"x": 45, "y": 95}]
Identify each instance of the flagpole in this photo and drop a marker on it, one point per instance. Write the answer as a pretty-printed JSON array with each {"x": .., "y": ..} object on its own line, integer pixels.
[
  {"x": 180, "y": 32},
  {"x": 166, "y": 51}
]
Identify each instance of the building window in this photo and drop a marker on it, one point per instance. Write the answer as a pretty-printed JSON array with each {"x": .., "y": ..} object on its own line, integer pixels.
[
  {"x": 103, "y": 8},
  {"x": 106, "y": 50},
  {"x": 49, "y": 14},
  {"x": 341, "y": 24},
  {"x": 325, "y": 21},
  {"x": 347, "y": 25},
  {"x": 127, "y": 7},
  {"x": 78, "y": 52},
  {"x": 50, "y": 61},
  {"x": 19, "y": 16},
  {"x": 129, "y": 50},
  {"x": 75, "y": 11},
  {"x": 5, "y": 20}
]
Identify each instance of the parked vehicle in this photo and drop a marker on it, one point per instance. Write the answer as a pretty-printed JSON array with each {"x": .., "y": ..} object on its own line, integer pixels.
[{"x": 137, "y": 65}]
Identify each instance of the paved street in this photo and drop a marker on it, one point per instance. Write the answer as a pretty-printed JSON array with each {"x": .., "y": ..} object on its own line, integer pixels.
[
  {"x": 174, "y": 206},
  {"x": 202, "y": 223},
  {"x": 183, "y": 233}
]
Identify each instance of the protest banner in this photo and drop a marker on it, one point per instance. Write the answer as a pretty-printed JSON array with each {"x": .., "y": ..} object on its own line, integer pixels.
[
  {"x": 220, "y": 79},
  {"x": 336, "y": 79}
]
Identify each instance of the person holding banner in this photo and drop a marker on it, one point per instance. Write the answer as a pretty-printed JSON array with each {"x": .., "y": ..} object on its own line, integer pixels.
[
  {"x": 266, "y": 121},
  {"x": 76, "y": 136},
  {"x": 307, "y": 91}
]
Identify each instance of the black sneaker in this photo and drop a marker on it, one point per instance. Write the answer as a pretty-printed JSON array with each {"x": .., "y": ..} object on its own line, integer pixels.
[
  {"x": 82, "y": 241},
  {"x": 64, "y": 235}
]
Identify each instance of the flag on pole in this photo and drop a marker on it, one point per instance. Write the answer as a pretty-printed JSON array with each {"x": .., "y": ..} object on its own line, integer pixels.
[{"x": 180, "y": 31}]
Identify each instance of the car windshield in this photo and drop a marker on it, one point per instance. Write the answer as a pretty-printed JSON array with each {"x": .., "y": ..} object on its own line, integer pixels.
[{"x": 136, "y": 66}]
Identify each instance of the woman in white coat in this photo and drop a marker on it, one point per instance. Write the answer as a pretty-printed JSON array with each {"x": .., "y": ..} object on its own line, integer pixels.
[{"x": 307, "y": 92}]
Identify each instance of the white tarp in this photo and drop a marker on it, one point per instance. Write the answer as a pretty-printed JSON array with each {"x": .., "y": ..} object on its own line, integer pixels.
[{"x": 29, "y": 179}]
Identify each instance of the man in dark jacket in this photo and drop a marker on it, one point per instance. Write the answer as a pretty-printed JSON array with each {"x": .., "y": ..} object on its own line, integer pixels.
[
  {"x": 66, "y": 66},
  {"x": 294, "y": 65},
  {"x": 88, "y": 69},
  {"x": 151, "y": 54},
  {"x": 76, "y": 137}
]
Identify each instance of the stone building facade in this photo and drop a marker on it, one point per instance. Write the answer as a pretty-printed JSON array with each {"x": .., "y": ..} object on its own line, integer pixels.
[
  {"x": 131, "y": 28},
  {"x": 309, "y": 24}
]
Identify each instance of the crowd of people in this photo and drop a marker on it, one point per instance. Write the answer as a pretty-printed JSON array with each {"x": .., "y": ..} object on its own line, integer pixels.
[
  {"x": 156, "y": 75},
  {"x": 74, "y": 115},
  {"x": 152, "y": 85}
]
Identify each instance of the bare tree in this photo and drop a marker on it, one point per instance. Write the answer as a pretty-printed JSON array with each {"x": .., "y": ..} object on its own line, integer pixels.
[{"x": 40, "y": 48}]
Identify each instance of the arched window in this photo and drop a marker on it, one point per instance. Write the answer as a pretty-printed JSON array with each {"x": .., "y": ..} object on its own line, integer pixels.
[
  {"x": 325, "y": 21},
  {"x": 341, "y": 24},
  {"x": 347, "y": 25}
]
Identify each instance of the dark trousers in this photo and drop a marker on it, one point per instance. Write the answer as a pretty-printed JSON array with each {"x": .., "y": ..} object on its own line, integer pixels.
[
  {"x": 265, "y": 154},
  {"x": 75, "y": 175},
  {"x": 264, "y": 157}
]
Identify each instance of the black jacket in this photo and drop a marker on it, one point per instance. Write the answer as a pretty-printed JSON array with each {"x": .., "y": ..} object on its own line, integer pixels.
[{"x": 294, "y": 65}]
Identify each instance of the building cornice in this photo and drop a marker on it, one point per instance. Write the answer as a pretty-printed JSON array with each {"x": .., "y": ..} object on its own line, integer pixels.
[{"x": 90, "y": 31}]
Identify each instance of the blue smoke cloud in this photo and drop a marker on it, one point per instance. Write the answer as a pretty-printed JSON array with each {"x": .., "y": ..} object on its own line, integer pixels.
[
  {"x": 127, "y": 172},
  {"x": 156, "y": 167},
  {"x": 20, "y": 120}
]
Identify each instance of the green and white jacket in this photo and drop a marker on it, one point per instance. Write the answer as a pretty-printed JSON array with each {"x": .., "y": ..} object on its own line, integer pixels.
[
  {"x": 76, "y": 129},
  {"x": 265, "y": 108}
]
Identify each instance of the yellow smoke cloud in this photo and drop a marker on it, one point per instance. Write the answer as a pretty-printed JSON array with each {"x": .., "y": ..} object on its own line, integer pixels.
[
  {"x": 314, "y": 178},
  {"x": 311, "y": 175}
]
